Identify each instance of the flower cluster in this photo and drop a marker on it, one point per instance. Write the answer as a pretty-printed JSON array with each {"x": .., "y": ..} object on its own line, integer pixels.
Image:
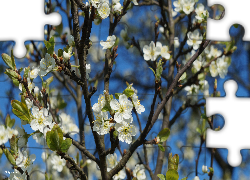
[
  {"x": 220, "y": 67},
  {"x": 109, "y": 43},
  {"x": 152, "y": 51},
  {"x": 186, "y": 6},
  {"x": 6, "y": 134},
  {"x": 111, "y": 163},
  {"x": 121, "y": 112}
]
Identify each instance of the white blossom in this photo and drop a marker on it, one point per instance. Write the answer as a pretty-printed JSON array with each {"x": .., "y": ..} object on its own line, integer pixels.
[
  {"x": 222, "y": 67},
  {"x": 139, "y": 172},
  {"x": 111, "y": 160},
  {"x": 204, "y": 169},
  {"x": 34, "y": 72},
  {"x": 41, "y": 119},
  {"x": 201, "y": 13},
  {"x": 194, "y": 39},
  {"x": 25, "y": 161},
  {"x": 109, "y": 43},
  {"x": 97, "y": 107},
  {"x": 29, "y": 103},
  {"x": 95, "y": 3},
  {"x": 213, "y": 52},
  {"x": 178, "y": 5},
  {"x": 3, "y": 137},
  {"x": 188, "y": 6},
  {"x": 196, "y": 178},
  {"x": 46, "y": 64},
  {"x": 151, "y": 52},
  {"x": 118, "y": 7},
  {"x": 213, "y": 69},
  {"x": 164, "y": 50},
  {"x": 10, "y": 132},
  {"x": 101, "y": 124},
  {"x": 126, "y": 131},
  {"x": 57, "y": 163},
  {"x": 104, "y": 10},
  {"x": 205, "y": 86},
  {"x": 139, "y": 108},
  {"x": 123, "y": 108},
  {"x": 176, "y": 42},
  {"x": 66, "y": 56}
]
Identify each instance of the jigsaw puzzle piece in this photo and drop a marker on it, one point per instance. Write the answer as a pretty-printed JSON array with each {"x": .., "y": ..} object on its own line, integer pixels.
[
  {"x": 219, "y": 29},
  {"x": 33, "y": 30}
]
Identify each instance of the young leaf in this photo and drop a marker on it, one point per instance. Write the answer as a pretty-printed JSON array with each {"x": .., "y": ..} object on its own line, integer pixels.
[
  {"x": 9, "y": 122},
  {"x": 26, "y": 72},
  {"x": 173, "y": 162},
  {"x": 20, "y": 110},
  {"x": 65, "y": 145},
  {"x": 9, "y": 156},
  {"x": 9, "y": 61},
  {"x": 161, "y": 176},
  {"x": 60, "y": 52},
  {"x": 164, "y": 134},
  {"x": 54, "y": 138},
  {"x": 128, "y": 92},
  {"x": 172, "y": 175},
  {"x": 161, "y": 147}
]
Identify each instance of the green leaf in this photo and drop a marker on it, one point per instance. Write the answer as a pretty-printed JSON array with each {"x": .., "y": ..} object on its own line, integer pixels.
[
  {"x": 161, "y": 147},
  {"x": 10, "y": 62},
  {"x": 161, "y": 176},
  {"x": 164, "y": 134},
  {"x": 13, "y": 145},
  {"x": 20, "y": 110},
  {"x": 12, "y": 74},
  {"x": 9, "y": 156},
  {"x": 65, "y": 145},
  {"x": 50, "y": 45},
  {"x": 172, "y": 175},
  {"x": 105, "y": 109},
  {"x": 117, "y": 95},
  {"x": 115, "y": 134},
  {"x": 54, "y": 138},
  {"x": 15, "y": 82},
  {"x": 48, "y": 81},
  {"x": 9, "y": 122},
  {"x": 173, "y": 162},
  {"x": 159, "y": 70},
  {"x": 128, "y": 92},
  {"x": 60, "y": 52},
  {"x": 26, "y": 72}
]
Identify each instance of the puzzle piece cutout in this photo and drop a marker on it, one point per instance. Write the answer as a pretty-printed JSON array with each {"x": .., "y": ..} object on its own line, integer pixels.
[
  {"x": 25, "y": 19},
  {"x": 225, "y": 138},
  {"x": 219, "y": 29}
]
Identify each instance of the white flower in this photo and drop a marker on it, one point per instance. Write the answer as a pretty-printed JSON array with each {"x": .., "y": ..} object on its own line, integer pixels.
[
  {"x": 123, "y": 108},
  {"x": 204, "y": 169},
  {"x": 139, "y": 172},
  {"x": 213, "y": 52},
  {"x": 36, "y": 90},
  {"x": 3, "y": 137},
  {"x": 57, "y": 163},
  {"x": 164, "y": 50},
  {"x": 70, "y": 40},
  {"x": 72, "y": 128},
  {"x": 151, "y": 52},
  {"x": 118, "y": 7},
  {"x": 193, "y": 89},
  {"x": 197, "y": 65},
  {"x": 101, "y": 124},
  {"x": 194, "y": 39},
  {"x": 10, "y": 132},
  {"x": 139, "y": 108},
  {"x": 97, "y": 107},
  {"x": 16, "y": 175},
  {"x": 66, "y": 56},
  {"x": 178, "y": 5},
  {"x": 22, "y": 140},
  {"x": 196, "y": 178},
  {"x": 46, "y": 64},
  {"x": 200, "y": 12},
  {"x": 111, "y": 160},
  {"x": 188, "y": 6},
  {"x": 33, "y": 73},
  {"x": 176, "y": 42},
  {"x": 205, "y": 87},
  {"x": 94, "y": 3},
  {"x": 121, "y": 175},
  {"x": 109, "y": 43},
  {"x": 24, "y": 161},
  {"x": 222, "y": 67},
  {"x": 29, "y": 103},
  {"x": 213, "y": 69},
  {"x": 161, "y": 29},
  {"x": 88, "y": 70},
  {"x": 126, "y": 131},
  {"x": 40, "y": 121},
  {"x": 104, "y": 10}
]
